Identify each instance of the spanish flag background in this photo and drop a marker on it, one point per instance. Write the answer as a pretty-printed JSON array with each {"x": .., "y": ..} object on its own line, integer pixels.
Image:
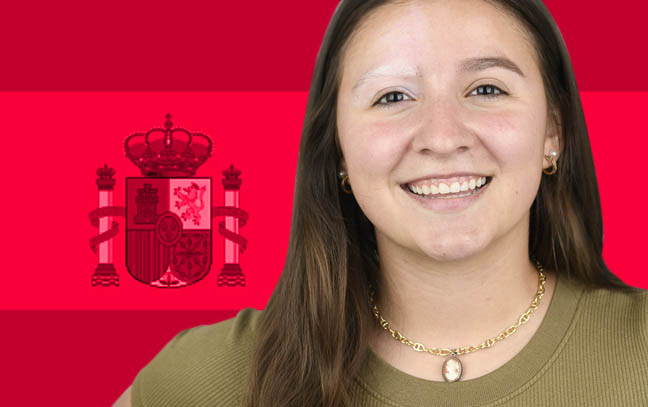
[{"x": 77, "y": 78}]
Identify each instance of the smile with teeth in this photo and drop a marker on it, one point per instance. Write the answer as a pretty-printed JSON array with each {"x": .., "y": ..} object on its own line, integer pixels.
[{"x": 430, "y": 187}]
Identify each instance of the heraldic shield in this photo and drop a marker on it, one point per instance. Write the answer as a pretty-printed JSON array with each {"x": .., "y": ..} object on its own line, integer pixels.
[{"x": 168, "y": 230}]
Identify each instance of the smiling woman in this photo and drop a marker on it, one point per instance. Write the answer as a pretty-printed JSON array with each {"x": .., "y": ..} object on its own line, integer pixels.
[{"x": 446, "y": 228}]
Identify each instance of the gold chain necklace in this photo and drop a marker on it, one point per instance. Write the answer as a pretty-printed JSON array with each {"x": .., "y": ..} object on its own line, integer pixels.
[{"x": 452, "y": 368}]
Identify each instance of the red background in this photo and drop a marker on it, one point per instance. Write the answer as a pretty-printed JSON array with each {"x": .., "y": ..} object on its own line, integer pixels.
[{"x": 77, "y": 77}]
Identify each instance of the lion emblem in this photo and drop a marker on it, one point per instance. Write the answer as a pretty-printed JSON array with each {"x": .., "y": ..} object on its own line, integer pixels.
[{"x": 192, "y": 200}]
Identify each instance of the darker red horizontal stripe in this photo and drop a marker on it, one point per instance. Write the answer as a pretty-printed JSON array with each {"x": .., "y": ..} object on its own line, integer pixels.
[
  {"x": 242, "y": 46},
  {"x": 84, "y": 358}
]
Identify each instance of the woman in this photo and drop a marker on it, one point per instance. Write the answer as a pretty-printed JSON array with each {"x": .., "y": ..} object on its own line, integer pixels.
[{"x": 446, "y": 238}]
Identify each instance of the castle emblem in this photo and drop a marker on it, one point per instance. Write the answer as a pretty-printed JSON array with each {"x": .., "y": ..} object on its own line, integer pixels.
[{"x": 168, "y": 213}]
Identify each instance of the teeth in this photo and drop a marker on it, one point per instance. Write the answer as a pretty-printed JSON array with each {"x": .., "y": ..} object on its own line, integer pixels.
[{"x": 443, "y": 188}]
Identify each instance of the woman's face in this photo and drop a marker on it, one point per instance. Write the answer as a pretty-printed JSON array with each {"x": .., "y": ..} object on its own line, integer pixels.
[{"x": 438, "y": 92}]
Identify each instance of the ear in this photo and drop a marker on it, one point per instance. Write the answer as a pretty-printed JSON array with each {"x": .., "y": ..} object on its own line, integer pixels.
[
  {"x": 553, "y": 137},
  {"x": 342, "y": 166}
]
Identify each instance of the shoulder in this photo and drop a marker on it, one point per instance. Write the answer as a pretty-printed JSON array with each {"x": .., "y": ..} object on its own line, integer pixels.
[
  {"x": 616, "y": 318},
  {"x": 204, "y": 365},
  {"x": 613, "y": 302},
  {"x": 604, "y": 353}
]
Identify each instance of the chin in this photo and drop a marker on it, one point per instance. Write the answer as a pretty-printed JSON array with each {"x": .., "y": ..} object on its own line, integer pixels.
[
  {"x": 449, "y": 256},
  {"x": 452, "y": 249}
]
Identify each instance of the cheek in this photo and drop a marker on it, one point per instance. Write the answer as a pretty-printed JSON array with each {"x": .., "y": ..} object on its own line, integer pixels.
[
  {"x": 513, "y": 138},
  {"x": 373, "y": 149},
  {"x": 515, "y": 141}
]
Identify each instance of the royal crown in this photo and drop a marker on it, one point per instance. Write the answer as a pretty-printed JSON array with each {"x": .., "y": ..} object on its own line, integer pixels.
[{"x": 168, "y": 151}]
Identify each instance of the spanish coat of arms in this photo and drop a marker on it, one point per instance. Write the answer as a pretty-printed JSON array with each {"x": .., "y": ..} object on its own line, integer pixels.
[{"x": 168, "y": 213}]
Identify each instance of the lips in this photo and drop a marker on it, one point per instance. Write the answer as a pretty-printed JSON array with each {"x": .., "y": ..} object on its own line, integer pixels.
[
  {"x": 443, "y": 190},
  {"x": 434, "y": 191},
  {"x": 451, "y": 177},
  {"x": 450, "y": 202},
  {"x": 463, "y": 182}
]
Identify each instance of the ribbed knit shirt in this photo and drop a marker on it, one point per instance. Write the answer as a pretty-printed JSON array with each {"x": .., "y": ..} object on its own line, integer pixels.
[{"x": 591, "y": 349}]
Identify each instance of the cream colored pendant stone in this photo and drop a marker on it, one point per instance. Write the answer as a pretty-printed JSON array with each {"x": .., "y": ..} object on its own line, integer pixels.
[{"x": 452, "y": 368}]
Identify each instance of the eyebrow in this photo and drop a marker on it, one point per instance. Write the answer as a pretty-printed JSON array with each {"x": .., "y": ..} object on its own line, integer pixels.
[
  {"x": 388, "y": 71},
  {"x": 482, "y": 63},
  {"x": 467, "y": 65}
]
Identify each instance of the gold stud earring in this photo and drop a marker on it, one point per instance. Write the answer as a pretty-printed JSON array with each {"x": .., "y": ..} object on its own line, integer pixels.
[{"x": 551, "y": 158}]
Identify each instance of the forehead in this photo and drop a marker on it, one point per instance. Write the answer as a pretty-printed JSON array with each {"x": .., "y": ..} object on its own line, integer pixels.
[{"x": 436, "y": 34}]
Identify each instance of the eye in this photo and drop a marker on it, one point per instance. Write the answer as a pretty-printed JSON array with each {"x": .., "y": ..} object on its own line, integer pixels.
[
  {"x": 391, "y": 98},
  {"x": 488, "y": 91}
]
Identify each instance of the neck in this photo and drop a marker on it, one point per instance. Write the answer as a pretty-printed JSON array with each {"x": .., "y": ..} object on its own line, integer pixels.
[{"x": 448, "y": 304}]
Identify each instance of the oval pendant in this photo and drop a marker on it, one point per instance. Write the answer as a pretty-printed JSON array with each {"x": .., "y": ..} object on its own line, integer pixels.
[{"x": 452, "y": 368}]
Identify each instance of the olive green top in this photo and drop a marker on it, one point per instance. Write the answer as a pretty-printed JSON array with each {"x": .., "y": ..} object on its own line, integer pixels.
[{"x": 591, "y": 349}]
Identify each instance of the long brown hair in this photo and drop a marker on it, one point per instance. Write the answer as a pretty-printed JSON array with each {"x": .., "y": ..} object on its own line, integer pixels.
[{"x": 313, "y": 334}]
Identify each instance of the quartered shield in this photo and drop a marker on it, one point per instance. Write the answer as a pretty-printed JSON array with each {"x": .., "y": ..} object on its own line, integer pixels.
[{"x": 168, "y": 230}]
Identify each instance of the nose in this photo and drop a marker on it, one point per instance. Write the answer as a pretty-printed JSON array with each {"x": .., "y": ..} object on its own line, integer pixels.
[{"x": 442, "y": 130}]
